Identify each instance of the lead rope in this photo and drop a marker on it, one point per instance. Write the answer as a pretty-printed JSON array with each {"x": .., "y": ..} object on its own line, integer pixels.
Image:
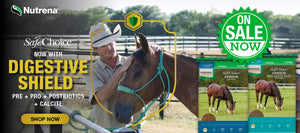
[{"x": 160, "y": 68}]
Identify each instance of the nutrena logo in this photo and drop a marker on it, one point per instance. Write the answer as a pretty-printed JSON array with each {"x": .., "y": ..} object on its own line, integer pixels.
[
  {"x": 16, "y": 10},
  {"x": 29, "y": 10}
]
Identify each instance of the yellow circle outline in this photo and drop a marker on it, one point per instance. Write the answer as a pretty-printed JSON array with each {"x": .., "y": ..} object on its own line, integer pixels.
[{"x": 175, "y": 67}]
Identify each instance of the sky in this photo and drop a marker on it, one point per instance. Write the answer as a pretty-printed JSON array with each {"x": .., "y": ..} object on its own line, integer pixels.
[{"x": 286, "y": 7}]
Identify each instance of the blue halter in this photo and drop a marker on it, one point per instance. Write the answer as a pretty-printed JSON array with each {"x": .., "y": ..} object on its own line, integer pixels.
[{"x": 160, "y": 68}]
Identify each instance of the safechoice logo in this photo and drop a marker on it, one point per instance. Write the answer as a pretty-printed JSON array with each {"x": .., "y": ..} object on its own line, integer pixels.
[
  {"x": 133, "y": 20},
  {"x": 29, "y": 10}
]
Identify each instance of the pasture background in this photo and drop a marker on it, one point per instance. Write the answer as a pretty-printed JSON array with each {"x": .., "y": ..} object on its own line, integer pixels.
[
  {"x": 288, "y": 108},
  {"x": 240, "y": 111}
]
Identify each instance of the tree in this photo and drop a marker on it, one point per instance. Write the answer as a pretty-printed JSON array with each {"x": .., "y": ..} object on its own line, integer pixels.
[
  {"x": 296, "y": 26},
  {"x": 281, "y": 25},
  {"x": 184, "y": 22},
  {"x": 268, "y": 14},
  {"x": 98, "y": 14},
  {"x": 191, "y": 23}
]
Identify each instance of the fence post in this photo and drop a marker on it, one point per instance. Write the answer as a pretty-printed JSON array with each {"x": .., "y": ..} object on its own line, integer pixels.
[
  {"x": 169, "y": 43},
  {"x": 183, "y": 43},
  {"x": 57, "y": 128},
  {"x": 78, "y": 43},
  {"x": 37, "y": 107},
  {"x": 208, "y": 43},
  {"x": 274, "y": 44},
  {"x": 161, "y": 100},
  {"x": 126, "y": 49},
  {"x": 196, "y": 43}
]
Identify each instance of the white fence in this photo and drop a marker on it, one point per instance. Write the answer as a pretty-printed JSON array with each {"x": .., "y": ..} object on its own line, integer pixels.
[
  {"x": 279, "y": 85},
  {"x": 126, "y": 44},
  {"x": 232, "y": 89}
]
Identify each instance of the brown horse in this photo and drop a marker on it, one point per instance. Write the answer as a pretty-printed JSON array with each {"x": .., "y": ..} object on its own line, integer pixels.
[
  {"x": 268, "y": 89},
  {"x": 143, "y": 68},
  {"x": 221, "y": 92}
]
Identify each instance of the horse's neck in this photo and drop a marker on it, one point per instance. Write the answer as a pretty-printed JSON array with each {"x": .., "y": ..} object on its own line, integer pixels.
[
  {"x": 275, "y": 89},
  {"x": 229, "y": 96},
  {"x": 277, "y": 93},
  {"x": 187, "y": 80}
]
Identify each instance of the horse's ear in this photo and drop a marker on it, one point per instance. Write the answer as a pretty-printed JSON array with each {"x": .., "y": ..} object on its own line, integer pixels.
[
  {"x": 234, "y": 102},
  {"x": 144, "y": 43},
  {"x": 137, "y": 43},
  {"x": 282, "y": 98}
]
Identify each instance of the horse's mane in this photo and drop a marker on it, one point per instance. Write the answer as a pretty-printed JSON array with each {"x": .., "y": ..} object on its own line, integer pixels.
[
  {"x": 229, "y": 93},
  {"x": 139, "y": 56},
  {"x": 276, "y": 89},
  {"x": 187, "y": 58}
]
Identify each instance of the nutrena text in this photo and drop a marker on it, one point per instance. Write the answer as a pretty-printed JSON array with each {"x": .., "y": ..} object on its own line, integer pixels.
[{"x": 39, "y": 74}]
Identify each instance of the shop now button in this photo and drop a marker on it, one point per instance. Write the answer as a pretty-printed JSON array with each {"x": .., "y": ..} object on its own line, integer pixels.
[{"x": 45, "y": 118}]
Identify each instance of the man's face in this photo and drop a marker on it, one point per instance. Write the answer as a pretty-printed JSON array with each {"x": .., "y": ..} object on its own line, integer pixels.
[{"x": 106, "y": 52}]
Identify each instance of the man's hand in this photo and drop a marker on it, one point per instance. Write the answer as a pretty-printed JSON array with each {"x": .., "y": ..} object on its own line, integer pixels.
[
  {"x": 126, "y": 65},
  {"x": 155, "y": 47},
  {"x": 108, "y": 89}
]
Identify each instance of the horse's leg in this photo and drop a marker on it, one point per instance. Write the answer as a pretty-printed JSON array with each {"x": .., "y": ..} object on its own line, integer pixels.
[
  {"x": 213, "y": 104},
  {"x": 227, "y": 106},
  {"x": 209, "y": 96},
  {"x": 261, "y": 97},
  {"x": 218, "y": 105},
  {"x": 257, "y": 94},
  {"x": 266, "y": 101},
  {"x": 275, "y": 103}
]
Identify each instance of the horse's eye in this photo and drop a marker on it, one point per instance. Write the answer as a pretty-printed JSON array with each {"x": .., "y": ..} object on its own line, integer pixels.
[{"x": 137, "y": 75}]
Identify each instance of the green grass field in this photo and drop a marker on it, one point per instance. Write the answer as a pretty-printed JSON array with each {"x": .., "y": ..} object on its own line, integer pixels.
[
  {"x": 288, "y": 108},
  {"x": 240, "y": 111}
]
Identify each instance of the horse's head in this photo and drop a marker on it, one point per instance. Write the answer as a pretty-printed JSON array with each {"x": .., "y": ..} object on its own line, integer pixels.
[
  {"x": 279, "y": 103},
  {"x": 232, "y": 106},
  {"x": 230, "y": 98},
  {"x": 277, "y": 94},
  {"x": 142, "y": 69}
]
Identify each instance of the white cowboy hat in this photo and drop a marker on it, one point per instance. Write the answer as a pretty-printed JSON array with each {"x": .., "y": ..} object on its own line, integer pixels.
[{"x": 105, "y": 36}]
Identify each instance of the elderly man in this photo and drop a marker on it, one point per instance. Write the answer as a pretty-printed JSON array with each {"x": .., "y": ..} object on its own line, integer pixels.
[{"x": 106, "y": 72}]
